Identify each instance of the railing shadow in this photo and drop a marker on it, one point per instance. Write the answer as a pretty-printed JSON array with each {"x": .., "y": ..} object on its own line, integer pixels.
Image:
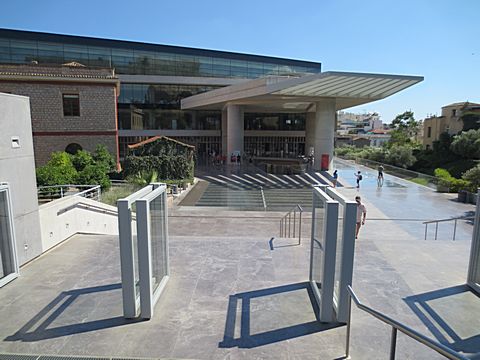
[
  {"x": 39, "y": 327},
  {"x": 457, "y": 302},
  {"x": 286, "y": 299}
]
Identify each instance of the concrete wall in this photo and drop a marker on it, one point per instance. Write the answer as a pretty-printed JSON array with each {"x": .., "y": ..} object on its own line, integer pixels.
[
  {"x": 65, "y": 217},
  {"x": 17, "y": 168}
]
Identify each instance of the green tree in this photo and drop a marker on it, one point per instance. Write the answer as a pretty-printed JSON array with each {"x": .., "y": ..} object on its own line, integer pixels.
[
  {"x": 467, "y": 144},
  {"x": 405, "y": 127},
  {"x": 400, "y": 155},
  {"x": 473, "y": 177},
  {"x": 102, "y": 157},
  {"x": 81, "y": 160},
  {"x": 58, "y": 171}
]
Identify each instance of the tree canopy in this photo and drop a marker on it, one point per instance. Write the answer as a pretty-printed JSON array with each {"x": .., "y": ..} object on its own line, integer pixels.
[{"x": 467, "y": 144}]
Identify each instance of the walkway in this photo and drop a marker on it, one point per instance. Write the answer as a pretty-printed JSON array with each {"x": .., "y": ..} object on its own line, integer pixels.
[{"x": 232, "y": 296}]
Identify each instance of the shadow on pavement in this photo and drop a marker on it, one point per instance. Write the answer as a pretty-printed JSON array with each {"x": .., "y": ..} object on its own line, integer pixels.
[
  {"x": 451, "y": 316},
  {"x": 271, "y": 315},
  {"x": 42, "y": 326}
]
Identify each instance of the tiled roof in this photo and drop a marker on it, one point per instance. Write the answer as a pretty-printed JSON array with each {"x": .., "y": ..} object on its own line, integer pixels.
[
  {"x": 465, "y": 103},
  {"x": 67, "y": 71},
  {"x": 155, "y": 138}
]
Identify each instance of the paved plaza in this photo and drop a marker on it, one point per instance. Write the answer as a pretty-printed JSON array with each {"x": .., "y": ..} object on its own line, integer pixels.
[{"x": 237, "y": 291}]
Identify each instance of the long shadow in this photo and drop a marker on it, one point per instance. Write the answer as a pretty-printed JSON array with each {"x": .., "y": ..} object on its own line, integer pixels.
[
  {"x": 37, "y": 328},
  {"x": 248, "y": 340},
  {"x": 441, "y": 330}
]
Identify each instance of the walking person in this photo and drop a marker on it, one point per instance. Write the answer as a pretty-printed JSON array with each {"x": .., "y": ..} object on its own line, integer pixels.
[
  {"x": 361, "y": 215},
  {"x": 359, "y": 178},
  {"x": 335, "y": 178},
  {"x": 380, "y": 176}
]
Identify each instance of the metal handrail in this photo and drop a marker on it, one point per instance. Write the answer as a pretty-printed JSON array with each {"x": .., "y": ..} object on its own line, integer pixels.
[
  {"x": 445, "y": 220},
  {"x": 91, "y": 191},
  {"x": 286, "y": 223},
  {"x": 397, "y": 326}
]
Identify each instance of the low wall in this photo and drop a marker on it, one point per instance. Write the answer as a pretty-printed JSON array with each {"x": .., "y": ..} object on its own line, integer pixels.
[{"x": 67, "y": 216}]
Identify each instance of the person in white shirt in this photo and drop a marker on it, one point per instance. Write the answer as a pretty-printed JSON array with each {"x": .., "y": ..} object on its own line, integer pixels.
[{"x": 361, "y": 214}]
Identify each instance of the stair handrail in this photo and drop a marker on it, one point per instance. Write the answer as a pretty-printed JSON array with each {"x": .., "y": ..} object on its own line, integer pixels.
[
  {"x": 397, "y": 326},
  {"x": 285, "y": 226},
  {"x": 445, "y": 220}
]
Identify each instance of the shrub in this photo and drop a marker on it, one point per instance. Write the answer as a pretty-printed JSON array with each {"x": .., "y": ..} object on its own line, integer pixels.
[
  {"x": 400, "y": 155},
  {"x": 93, "y": 174},
  {"x": 167, "y": 166},
  {"x": 473, "y": 177},
  {"x": 58, "y": 171},
  {"x": 449, "y": 183},
  {"x": 81, "y": 160},
  {"x": 103, "y": 158}
]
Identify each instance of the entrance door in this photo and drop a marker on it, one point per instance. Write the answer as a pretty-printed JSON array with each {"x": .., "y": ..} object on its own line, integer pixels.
[{"x": 8, "y": 255}]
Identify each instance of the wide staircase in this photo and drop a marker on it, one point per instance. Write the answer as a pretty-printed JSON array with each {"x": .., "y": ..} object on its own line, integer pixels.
[{"x": 253, "y": 189}]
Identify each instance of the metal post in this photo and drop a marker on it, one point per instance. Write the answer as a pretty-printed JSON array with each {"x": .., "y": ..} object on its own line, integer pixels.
[
  {"x": 454, "y": 229},
  {"x": 289, "y": 223},
  {"x": 349, "y": 319},
  {"x": 285, "y": 222},
  {"x": 294, "y": 221},
  {"x": 426, "y": 226},
  {"x": 281, "y": 227},
  {"x": 61, "y": 191},
  {"x": 393, "y": 343},
  {"x": 436, "y": 230},
  {"x": 300, "y": 229}
]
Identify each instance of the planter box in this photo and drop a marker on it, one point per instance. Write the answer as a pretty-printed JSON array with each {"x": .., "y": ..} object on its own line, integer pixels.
[{"x": 471, "y": 198}]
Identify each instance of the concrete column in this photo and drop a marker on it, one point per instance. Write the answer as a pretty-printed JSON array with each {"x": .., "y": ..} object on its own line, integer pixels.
[
  {"x": 224, "y": 132},
  {"x": 320, "y": 132},
  {"x": 235, "y": 130}
]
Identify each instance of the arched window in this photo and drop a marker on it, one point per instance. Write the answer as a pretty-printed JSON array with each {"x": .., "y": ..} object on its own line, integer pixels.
[{"x": 73, "y": 148}]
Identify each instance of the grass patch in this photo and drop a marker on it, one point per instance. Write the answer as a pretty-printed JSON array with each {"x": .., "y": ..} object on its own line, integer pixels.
[
  {"x": 111, "y": 196},
  {"x": 420, "y": 181}
]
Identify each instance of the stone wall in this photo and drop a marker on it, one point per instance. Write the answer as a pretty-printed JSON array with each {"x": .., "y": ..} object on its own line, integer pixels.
[{"x": 52, "y": 131}]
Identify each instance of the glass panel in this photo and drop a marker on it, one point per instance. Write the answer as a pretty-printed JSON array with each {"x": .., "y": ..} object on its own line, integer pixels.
[
  {"x": 158, "y": 239},
  {"x": 338, "y": 261},
  {"x": 7, "y": 265},
  {"x": 318, "y": 242}
]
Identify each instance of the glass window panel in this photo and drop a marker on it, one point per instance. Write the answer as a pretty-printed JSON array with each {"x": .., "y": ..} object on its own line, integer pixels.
[
  {"x": 7, "y": 265},
  {"x": 158, "y": 240}
]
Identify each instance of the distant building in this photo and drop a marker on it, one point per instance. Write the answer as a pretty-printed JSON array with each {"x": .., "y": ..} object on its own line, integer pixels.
[
  {"x": 350, "y": 123},
  {"x": 73, "y": 107},
  {"x": 454, "y": 119}
]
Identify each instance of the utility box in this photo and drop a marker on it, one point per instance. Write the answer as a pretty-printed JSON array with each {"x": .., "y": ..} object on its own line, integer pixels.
[{"x": 324, "y": 165}]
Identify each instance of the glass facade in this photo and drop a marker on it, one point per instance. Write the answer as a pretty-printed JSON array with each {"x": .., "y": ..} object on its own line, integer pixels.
[
  {"x": 274, "y": 146},
  {"x": 142, "y": 59},
  {"x": 156, "y": 106},
  {"x": 275, "y": 121}
]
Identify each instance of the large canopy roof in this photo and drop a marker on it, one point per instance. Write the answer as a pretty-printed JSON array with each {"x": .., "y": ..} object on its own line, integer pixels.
[{"x": 277, "y": 93}]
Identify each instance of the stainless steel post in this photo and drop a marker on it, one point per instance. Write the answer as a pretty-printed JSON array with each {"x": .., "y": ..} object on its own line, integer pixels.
[
  {"x": 393, "y": 343},
  {"x": 436, "y": 230},
  {"x": 349, "y": 320},
  {"x": 294, "y": 221},
  {"x": 426, "y": 226},
  {"x": 300, "y": 229},
  {"x": 289, "y": 223},
  {"x": 454, "y": 229}
]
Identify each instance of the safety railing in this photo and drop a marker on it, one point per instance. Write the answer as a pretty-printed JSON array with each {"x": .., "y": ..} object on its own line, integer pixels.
[
  {"x": 397, "y": 326},
  {"x": 286, "y": 228},
  {"x": 52, "y": 192},
  {"x": 436, "y": 222}
]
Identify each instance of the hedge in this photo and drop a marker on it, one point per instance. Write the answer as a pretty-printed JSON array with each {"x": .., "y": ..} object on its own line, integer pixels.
[{"x": 168, "y": 167}]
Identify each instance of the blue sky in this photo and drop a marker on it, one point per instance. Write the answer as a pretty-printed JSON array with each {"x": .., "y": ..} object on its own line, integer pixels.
[{"x": 437, "y": 39}]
